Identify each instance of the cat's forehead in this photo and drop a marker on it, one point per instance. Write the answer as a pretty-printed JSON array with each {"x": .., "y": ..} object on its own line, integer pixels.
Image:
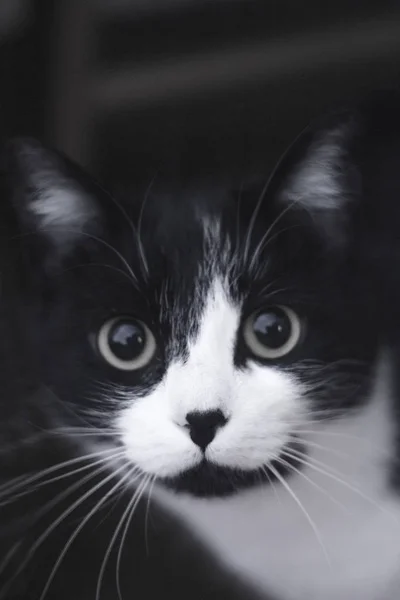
[
  {"x": 213, "y": 230},
  {"x": 201, "y": 274},
  {"x": 187, "y": 243}
]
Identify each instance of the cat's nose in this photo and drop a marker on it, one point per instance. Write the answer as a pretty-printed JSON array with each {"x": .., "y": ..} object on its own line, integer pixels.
[{"x": 204, "y": 425}]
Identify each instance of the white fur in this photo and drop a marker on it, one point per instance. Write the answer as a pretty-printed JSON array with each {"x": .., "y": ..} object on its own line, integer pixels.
[
  {"x": 266, "y": 537},
  {"x": 260, "y": 403}
]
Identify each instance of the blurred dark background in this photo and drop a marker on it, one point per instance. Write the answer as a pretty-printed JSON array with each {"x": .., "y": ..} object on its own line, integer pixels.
[{"x": 129, "y": 87}]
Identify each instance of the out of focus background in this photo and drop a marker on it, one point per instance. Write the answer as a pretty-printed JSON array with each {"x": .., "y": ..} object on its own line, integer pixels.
[{"x": 129, "y": 87}]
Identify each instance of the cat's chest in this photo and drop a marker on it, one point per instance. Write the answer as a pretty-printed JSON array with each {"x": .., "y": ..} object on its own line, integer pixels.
[
  {"x": 331, "y": 533},
  {"x": 271, "y": 541}
]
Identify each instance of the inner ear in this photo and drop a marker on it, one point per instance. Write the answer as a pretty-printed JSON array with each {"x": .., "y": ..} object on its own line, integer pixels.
[
  {"x": 318, "y": 182},
  {"x": 317, "y": 178},
  {"x": 52, "y": 197}
]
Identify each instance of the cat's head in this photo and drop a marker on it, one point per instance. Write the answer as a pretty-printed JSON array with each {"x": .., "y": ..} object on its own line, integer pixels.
[{"x": 202, "y": 331}]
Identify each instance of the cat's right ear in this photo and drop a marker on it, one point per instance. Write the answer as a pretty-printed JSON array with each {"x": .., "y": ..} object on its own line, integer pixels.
[{"x": 52, "y": 198}]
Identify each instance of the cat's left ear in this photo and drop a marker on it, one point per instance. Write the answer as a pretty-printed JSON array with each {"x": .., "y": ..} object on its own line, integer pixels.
[
  {"x": 317, "y": 177},
  {"x": 52, "y": 197}
]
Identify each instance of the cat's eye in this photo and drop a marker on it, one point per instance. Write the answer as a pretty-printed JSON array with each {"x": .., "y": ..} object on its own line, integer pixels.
[
  {"x": 272, "y": 332},
  {"x": 126, "y": 343}
]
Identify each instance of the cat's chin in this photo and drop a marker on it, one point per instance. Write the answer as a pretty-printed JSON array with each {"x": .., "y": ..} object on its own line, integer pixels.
[{"x": 209, "y": 480}]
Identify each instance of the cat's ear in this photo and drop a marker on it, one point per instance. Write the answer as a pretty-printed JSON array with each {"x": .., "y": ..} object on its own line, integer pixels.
[
  {"x": 51, "y": 197},
  {"x": 318, "y": 178}
]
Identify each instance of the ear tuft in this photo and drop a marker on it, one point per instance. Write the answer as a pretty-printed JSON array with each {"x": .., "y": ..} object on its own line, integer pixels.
[
  {"x": 319, "y": 181},
  {"x": 318, "y": 176},
  {"x": 49, "y": 196}
]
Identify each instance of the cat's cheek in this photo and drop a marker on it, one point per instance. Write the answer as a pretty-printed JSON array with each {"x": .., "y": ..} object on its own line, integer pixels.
[
  {"x": 269, "y": 407},
  {"x": 153, "y": 442}
]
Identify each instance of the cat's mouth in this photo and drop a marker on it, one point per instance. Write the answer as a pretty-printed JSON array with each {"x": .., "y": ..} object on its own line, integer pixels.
[{"x": 208, "y": 479}]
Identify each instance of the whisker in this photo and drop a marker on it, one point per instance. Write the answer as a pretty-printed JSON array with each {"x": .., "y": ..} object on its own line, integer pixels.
[
  {"x": 338, "y": 434},
  {"x": 333, "y": 451},
  {"x": 129, "y": 514},
  {"x": 8, "y": 557},
  {"x": 239, "y": 204},
  {"x": 65, "y": 404},
  {"x": 263, "y": 193},
  {"x": 318, "y": 415},
  {"x": 129, "y": 510},
  {"x": 264, "y": 238},
  {"x": 252, "y": 221},
  {"x": 47, "y": 532},
  {"x": 269, "y": 292},
  {"x": 116, "y": 252},
  {"x": 147, "y": 515},
  {"x": 281, "y": 479},
  {"x": 313, "y": 460},
  {"x": 272, "y": 484},
  {"x": 84, "y": 522},
  {"x": 312, "y": 483},
  {"x": 81, "y": 431},
  {"x": 374, "y": 451},
  {"x": 100, "y": 241},
  {"x": 315, "y": 364},
  {"x": 118, "y": 205},
  {"x": 331, "y": 475},
  {"x": 15, "y": 484},
  {"x": 139, "y": 228},
  {"x": 103, "y": 465},
  {"x": 103, "y": 265},
  {"x": 60, "y": 477}
]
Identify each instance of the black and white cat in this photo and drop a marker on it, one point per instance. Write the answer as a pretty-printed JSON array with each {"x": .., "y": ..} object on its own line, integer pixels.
[{"x": 234, "y": 349}]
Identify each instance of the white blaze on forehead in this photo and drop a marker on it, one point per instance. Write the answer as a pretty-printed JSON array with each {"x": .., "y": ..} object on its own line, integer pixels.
[
  {"x": 218, "y": 327},
  {"x": 204, "y": 381},
  {"x": 218, "y": 259}
]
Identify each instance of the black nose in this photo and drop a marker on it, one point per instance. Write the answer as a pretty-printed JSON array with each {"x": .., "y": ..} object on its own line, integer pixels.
[{"x": 203, "y": 426}]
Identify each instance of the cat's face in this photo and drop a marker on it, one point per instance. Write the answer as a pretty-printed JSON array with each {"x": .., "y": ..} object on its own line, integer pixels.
[{"x": 202, "y": 332}]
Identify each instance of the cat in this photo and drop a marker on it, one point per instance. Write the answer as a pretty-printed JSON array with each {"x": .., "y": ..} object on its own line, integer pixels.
[
  {"x": 233, "y": 349},
  {"x": 65, "y": 504}
]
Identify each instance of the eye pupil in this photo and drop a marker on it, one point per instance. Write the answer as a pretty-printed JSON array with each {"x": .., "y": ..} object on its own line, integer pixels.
[
  {"x": 126, "y": 340},
  {"x": 272, "y": 328}
]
